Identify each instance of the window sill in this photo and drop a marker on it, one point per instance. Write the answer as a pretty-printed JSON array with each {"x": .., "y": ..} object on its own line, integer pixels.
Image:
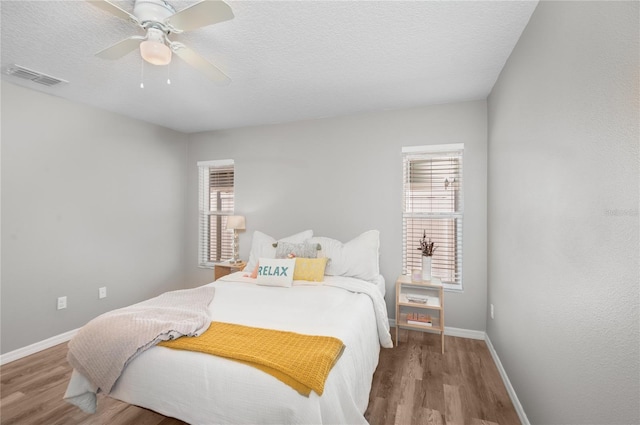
[{"x": 451, "y": 288}]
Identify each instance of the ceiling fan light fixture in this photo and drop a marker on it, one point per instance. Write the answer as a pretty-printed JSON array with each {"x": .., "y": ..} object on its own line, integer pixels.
[
  {"x": 159, "y": 19},
  {"x": 155, "y": 53}
]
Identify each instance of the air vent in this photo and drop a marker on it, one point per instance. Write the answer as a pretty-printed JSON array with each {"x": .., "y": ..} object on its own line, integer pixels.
[{"x": 35, "y": 76}]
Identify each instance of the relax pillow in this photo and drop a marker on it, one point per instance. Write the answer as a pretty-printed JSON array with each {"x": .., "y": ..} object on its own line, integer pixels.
[
  {"x": 262, "y": 246},
  {"x": 276, "y": 272},
  {"x": 290, "y": 250},
  {"x": 310, "y": 269},
  {"x": 357, "y": 258}
]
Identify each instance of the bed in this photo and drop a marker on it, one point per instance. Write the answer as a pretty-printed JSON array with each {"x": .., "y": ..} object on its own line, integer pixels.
[{"x": 204, "y": 389}]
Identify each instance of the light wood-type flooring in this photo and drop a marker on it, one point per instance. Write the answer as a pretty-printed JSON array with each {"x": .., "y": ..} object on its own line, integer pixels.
[{"x": 414, "y": 384}]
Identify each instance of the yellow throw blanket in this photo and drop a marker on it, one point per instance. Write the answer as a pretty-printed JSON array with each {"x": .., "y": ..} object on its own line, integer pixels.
[{"x": 300, "y": 361}]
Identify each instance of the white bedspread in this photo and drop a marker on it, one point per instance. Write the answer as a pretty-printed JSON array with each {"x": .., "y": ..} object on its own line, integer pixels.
[{"x": 203, "y": 389}]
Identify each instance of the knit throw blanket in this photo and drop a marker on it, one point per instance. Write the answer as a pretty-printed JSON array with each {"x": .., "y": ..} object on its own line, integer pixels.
[
  {"x": 103, "y": 347},
  {"x": 300, "y": 361}
]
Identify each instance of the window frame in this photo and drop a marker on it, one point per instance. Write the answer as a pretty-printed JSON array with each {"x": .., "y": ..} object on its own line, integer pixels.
[
  {"x": 205, "y": 213},
  {"x": 425, "y": 153}
]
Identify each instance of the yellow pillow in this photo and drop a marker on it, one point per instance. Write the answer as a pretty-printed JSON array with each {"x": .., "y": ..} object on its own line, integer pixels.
[{"x": 311, "y": 269}]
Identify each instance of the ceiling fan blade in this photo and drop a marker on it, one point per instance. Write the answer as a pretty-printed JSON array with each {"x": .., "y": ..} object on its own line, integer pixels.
[
  {"x": 114, "y": 10},
  {"x": 199, "y": 63},
  {"x": 201, "y": 14},
  {"x": 121, "y": 48}
]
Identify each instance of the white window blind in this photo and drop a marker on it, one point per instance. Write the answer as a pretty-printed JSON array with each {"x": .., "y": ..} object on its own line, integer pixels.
[
  {"x": 432, "y": 204},
  {"x": 216, "y": 184}
]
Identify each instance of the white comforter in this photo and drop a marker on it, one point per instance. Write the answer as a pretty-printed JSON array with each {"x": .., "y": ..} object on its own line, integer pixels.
[{"x": 203, "y": 389}]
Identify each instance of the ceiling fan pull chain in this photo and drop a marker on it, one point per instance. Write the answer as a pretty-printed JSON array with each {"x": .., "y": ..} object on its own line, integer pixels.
[
  {"x": 142, "y": 74},
  {"x": 169, "y": 73}
]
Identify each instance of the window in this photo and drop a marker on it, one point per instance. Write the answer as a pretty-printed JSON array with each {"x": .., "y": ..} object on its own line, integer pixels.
[
  {"x": 215, "y": 205},
  {"x": 432, "y": 203}
]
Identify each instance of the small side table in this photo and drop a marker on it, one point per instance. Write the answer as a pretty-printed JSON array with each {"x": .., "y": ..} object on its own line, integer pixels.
[
  {"x": 223, "y": 269},
  {"x": 432, "y": 295}
]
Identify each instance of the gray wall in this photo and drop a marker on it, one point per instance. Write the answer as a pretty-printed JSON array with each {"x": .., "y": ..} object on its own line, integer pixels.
[
  {"x": 343, "y": 176},
  {"x": 563, "y": 214},
  {"x": 89, "y": 199}
]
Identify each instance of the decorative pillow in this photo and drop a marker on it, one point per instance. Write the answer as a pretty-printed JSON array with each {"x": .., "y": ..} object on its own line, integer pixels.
[
  {"x": 311, "y": 269},
  {"x": 262, "y": 246},
  {"x": 254, "y": 273},
  {"x": 357, "y": 258},
  {"x": 295, "y": 250},
  {"x": 276, "y": 272}
]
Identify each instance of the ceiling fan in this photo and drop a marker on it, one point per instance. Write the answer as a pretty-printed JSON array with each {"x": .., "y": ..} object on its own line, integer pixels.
[{"x": 159, "y": 19}]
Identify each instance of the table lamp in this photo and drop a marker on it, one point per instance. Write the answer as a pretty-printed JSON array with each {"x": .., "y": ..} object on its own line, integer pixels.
[{"x": 235, "y": 223}]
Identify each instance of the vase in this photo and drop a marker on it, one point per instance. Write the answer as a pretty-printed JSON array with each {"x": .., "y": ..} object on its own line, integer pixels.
[{"x": 426, "y": 267}]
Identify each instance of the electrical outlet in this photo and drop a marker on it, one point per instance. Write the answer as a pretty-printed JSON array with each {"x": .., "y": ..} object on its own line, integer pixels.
[
  {"x": 62, "y": 303},
  {"x": 102, "y": 292},
  {"x": 492, "y": 311}
]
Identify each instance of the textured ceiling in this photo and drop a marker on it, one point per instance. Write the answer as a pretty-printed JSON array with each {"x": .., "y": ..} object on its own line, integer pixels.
[{"x": 287, "y": 60}]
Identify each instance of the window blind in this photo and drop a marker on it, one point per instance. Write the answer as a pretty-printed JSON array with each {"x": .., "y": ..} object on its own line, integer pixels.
[
  {"x": 432, "y": 204},
  {"x": 216, "y": 203}
]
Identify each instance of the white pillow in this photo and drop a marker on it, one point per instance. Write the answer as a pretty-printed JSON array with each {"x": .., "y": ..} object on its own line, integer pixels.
[
  {"x": 276, "y": 272},
  {"x": 262, "y": 246},
  {"x": 357, "y": 258}
]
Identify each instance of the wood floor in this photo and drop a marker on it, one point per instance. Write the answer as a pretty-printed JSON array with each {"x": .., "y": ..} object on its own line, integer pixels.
[{"x": 414, "y": 384}]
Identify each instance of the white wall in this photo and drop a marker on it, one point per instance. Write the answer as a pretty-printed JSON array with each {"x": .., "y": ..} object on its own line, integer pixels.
[
  {"x": 89, "y": 199},
  {"x": 563, "y": 214},
  {"x": 343, "y": 176}
]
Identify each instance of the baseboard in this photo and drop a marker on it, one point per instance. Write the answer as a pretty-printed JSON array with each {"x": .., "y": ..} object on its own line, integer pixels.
[
  {"x": 37, "y": 347},
  {"x": 464, "y": 333},
  {"x": 507, "y": 383},
  {"x": 459, "y": 332}
]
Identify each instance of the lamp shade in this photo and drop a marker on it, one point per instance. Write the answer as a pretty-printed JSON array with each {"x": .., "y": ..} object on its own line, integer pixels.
[
  {"x": 155, "y": 52},
  {"x": 235, "y": 222}
]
